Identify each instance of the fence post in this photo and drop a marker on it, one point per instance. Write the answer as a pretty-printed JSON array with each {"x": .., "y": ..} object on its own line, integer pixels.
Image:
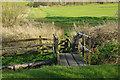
[
  {"x": 56, "y": 46},
  {"x": 68, "y": 45},
  {"x": 53, "y": 48},
  {"x": 83, "y": 43},
  {"x": 89, "y": 52},
  {"x": 40, "y": 39},
  {"x": 76, "y": 42}
]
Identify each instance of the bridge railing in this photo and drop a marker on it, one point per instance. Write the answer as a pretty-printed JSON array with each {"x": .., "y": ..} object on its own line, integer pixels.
[{"x": 83, "y": 42}]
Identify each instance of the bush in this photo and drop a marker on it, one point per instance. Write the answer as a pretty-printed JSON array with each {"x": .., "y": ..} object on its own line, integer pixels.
[
  {"x": 106, "y": 54},
  {"x": 31, "y": 4},
  {"x": 104, "y": 43},
  {"x": 11, "y": 11}
]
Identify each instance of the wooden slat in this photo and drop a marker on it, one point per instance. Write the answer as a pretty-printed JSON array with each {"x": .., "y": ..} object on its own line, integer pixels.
[
  {"x": 26, "y": 46},
  {"x": 79, "y": 60},
  {"x": 62, "y": 47},
  {"x": 70, "y": 60},
  {"x": 62, "y": 42},
  {"x": 63, "y": 60},
  {"x": 32, "y": 39}
]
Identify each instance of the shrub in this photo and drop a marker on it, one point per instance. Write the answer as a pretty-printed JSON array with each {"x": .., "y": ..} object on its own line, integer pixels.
[
  {"x": 103, "y": 33},
  {"x": 106, "y": 54},
  {"x": 104, "y": 43},
  {"x": 31, "y": 4}
]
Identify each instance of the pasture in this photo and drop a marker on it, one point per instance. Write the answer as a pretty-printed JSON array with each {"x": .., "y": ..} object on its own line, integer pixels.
[
  {"x": 83, "y": 15},
  {"x": 98, "y": 10}
]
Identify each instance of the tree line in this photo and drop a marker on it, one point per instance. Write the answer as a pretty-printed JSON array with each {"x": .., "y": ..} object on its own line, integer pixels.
[{"x": 37, "y": 4}]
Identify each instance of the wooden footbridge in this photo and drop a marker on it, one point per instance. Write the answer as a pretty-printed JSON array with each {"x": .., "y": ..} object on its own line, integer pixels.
[
  {"x": 70, "y": 59},
  {"x": 65, "y": 52}
]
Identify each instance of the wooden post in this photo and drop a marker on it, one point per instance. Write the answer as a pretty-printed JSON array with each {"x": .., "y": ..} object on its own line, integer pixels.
[
  {"x": 83, "y": 43},
  {"x": 76, "y": 42},
  {"x": 68, "y": 46},
  {"x": 40, "y": 39},
  {"x": 89, "y": 52},
  {"x": 53, "y": 48},
  {"x": 56, "y": 45}
]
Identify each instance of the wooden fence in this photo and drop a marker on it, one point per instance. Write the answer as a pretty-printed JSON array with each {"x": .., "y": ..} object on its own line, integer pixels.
[{"x": 53, "y": 46}]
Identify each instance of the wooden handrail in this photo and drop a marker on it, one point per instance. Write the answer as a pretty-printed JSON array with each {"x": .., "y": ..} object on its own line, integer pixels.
[
  {"x": 26, "y": 46},
  {"x": 83, "y": 42},
  {"x": 84, "y": 35},
  {"x": 75, "y": 27},
  {"x": 55, "y": 36},
  {"x": 32, "y": 39},
  {"x": 85, "y": 47}
]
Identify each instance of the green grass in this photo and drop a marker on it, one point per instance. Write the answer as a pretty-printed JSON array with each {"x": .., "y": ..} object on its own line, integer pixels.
[
  {"x": 103, "y": 71},
  {"x": 66, "y": 23},
  {"x": 25, "y": 58},
  {"x": 77, "y": 11},
  {"x": 82, "y": 15}
]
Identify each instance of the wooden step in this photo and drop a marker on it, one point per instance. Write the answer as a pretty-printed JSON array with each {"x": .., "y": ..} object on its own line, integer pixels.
[
  {"x": 79, "y": 60},
  {"x": 62, "y": 59},
  {"x": 70, "y": 60}
]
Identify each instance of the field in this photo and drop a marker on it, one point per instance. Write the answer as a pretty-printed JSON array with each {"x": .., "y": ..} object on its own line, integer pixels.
[
  {"x": 75, "y": 11},
  {"x": 86, "y": 15}
]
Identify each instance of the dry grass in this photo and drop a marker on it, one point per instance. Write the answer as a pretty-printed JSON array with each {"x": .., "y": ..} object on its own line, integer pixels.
[
  {"x": 103, "y": 33},
  {"x": 29, "y": 29}
]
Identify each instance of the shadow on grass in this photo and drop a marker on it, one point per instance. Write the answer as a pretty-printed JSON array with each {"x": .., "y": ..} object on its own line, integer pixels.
[{"x": 67, "y": 21}]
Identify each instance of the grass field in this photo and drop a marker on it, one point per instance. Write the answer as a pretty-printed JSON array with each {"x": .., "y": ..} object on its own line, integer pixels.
[
  {"x": 82, "y": 15},
  {"x": 103, "y": 71},
  {"x": 75, "y": 11}
]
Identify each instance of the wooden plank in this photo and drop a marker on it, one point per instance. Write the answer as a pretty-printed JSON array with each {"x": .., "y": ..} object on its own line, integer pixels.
[
  {"x": 26, "y": 65},
  {"x": 22, "y": 40},
  {"x": 79, "y": 60},
  {"x": 70, "y": 60},
  {"x": 63, "y": 60},
  {"x": 26, "y": 46}
]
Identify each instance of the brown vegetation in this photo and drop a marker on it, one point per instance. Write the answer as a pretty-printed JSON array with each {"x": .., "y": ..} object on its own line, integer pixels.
[{"x": 102, "y": 33}]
